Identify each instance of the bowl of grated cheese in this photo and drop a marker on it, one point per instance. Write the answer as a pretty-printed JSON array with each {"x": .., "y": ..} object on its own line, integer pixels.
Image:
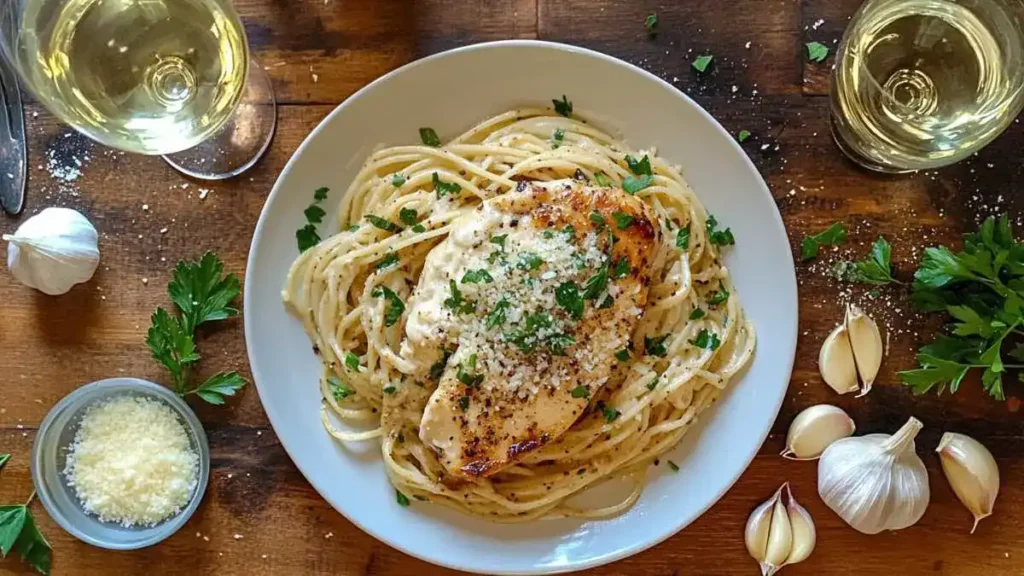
[{"x": 121, "y": 463}]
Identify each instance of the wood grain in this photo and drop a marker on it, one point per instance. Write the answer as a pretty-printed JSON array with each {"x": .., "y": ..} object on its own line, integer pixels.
[{"x": 318, "y": 53}]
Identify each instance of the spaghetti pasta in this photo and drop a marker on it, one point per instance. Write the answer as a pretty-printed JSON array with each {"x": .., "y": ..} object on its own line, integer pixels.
[{"x": 350, "y": 293}]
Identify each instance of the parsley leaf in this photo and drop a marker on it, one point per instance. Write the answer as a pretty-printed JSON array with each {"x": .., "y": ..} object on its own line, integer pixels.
[
  {"x": 497, "y": 316},
  {"x": 606, "y": 303},
  {"x": 382, "y": 223},
  {"x": 389, "y": 259},
  {"x": 320, "y": 194},
  {"x": 706, "y": 340},
  {"x": 419, "y": 229},
  {"x": 437, "y": 368},
  {"x": 580, "y": 391},
  {"x": 563, "y": 107},
  {"x": 218, "y": 386},
  {"x": 683, "y": 238},
  {"x": 402, "y": 499},
  {"x": 634, "y": 184},
  {"x": 717, "y": 297},
  {"x": 876, "y": 269},
  {"x": 464, "y": 403},
  {"x": 743, "y": 135},
  {"x": 352, "y": 362},
  {"x": 529, "y": 261},
  {"x": 559, "y": 342},
  {"x": 622, "y": 220},
  {"x": 397, "y": 179},
  {"x": 456, "y": 302},
  {"x": 408, "y": 216},
  {"x": 622, "y": 355},
  {"x": 673, "y": 466},
  {"x": 610, "y": 414},
  {"x": 833, "y": 236},
  {"x": 480, "y": 276},
  {"x": 467, "y": 373},
  {"x": 314, "y": 214},
  {"x": 621, "y": 268},
  {"x": 18, "y": 532},
  {"x": 697, "y": 314},
  {"x": 499, "y": 240},
  {"x": 394, "y": 307},
  {"x": 596, "y": 285},
  {"x": 429, "y": 138},
  {"x": 656, "y": 346},
  {"x": 653, "y": 384},
  {"x": 651, "y": 23},
  {"x": 816, "y": 51},
  {"x": 639, "y": 167},
  {"x": 558, "y": 137},
  {"x": 444, "y": 188},
  {"x": 719, "y": 237},
  {"x": 389, "y": 390},
  {"x": 567, "y": 295},
  {"x": 602, "y": 179},
  {"x": 307, "y": 237},
  {"x": 3, "y": 459},
  {"x": 702, "y": 62},
  {"x": 598, "y": 220}
]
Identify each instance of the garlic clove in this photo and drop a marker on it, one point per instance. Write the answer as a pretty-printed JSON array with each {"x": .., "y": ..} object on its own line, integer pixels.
[
  {"x": 780, "y": 537},
  {"x": 804, "y": 534},
  {"x": 866, "y": 342},
  {"x": 814, "y": 429},
  {"x": 972, "y": 473},
  {"x": 836, "y": 363},
  {"x": 758, "y": 525}
]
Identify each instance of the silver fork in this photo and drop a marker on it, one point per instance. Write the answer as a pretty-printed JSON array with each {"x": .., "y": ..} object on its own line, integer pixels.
[{"x": 12, "y": 142}]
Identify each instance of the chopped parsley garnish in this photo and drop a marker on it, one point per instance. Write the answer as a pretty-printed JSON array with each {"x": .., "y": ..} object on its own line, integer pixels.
[
  {"x": 570, "y": 232},
  {"x": 621, "y": 268},
  {"x": 408, "y": 216},
  {"x": 419, "y": 229},
  {"x": 429, "y": 137},
  {"x": 596, "y": 285},
  {"x": 651, "y": 23},
  {"x": 390, "y": 390},
  {"x": 683, "y": 238},
  {"x": 653, "y": 384},
  {"x": 568, "y": 297},
  {"x": 876, "y": 269},
  {"x": 352, "y": 362},
  {"x": 719, "y": 237},
  {"x": 656, "y": 346},
  {"x": 528, "y": 336},
  {"x": 339, "y": 391},
  {"x": 606, "y": 303},
  {"x": 622, "y": 220},
  {"x": 706, "y": 340},
  {"x": 548, "y": 234},
  {"x": 382, "y": 223},
  {"x": 351, "y": 227},
  {"x": 456, "y": 302},
  {"x": 833, "y": 236},
  {"x": 602, "y": 179},
  {"x": 639, "y": 167},
  {"x": 467, "y": 375},
  {"x": 437, "y": 368},
  {"x": 580, "y": 391},
  {"x": 563, "y": 107},
  {"x": 529, "y": 261},
  {"x": 634, "y": 184},
  {"x": 464, "y": 403},
  {"x": 743, "y": 135},
  {"x": 622, "y": 355},
  {"x": 559, "y": 342},
  {"x": 397, "y": 180},
  {"x": 402, "y": 499},
  {"x": 610, "y": 414},
  {"x": 499, "y": 240},
  {"x": 444, "y": 188},
  {"x": 598, "y": 220},
  {"x": 816, "y": 51},
  {"x": 717, "y": 297},
  {"x": 697, "y": 314},
  {"x": 497, "y": 316},
  {"x": 314, "y": 214},
  {"x": 558, "y": 137},
  {"x": 394, "y": 308},
  {"x": 390, "y": 259},
  {"x": 307, "y": 236},
  {"x": 320, "y": 194},
  {"x": 702, "y": 62},
  {"x": 673, "y": 466},
  {"x": 480, "y": 276}
]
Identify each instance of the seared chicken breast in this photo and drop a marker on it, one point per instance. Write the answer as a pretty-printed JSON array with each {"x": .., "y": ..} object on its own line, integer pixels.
[{"x": 518, "y": 315}]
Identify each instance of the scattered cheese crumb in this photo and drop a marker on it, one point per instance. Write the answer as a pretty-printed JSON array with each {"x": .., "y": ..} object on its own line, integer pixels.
[{"x": 239, "y": 536}]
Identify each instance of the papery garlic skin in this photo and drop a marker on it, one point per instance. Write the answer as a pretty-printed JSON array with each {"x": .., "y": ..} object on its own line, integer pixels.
[
  {"x": 815, "y": 429},
  {"x": 972, "y": 473},
  {"x": 779, "y": 533},
  {"x": 875, "y": 482},
  {"x": 836, "y": 363},
  {"x": 866, "y": 342},
  {"x": 53, "y": 250}
]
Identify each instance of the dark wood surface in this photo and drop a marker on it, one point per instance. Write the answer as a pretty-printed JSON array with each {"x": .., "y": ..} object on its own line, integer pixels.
[{"x": 318, "y": 53}]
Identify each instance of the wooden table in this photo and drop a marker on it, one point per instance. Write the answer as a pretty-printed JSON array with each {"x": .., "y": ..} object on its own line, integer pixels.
[{"x": 318, "y": 52}]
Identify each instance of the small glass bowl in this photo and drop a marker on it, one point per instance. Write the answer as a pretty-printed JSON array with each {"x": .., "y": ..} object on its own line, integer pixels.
[{"x": 50, "y": 450}]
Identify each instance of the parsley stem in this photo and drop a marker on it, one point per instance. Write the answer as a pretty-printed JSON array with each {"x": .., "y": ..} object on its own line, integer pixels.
[{"x": 31, "y": 497}]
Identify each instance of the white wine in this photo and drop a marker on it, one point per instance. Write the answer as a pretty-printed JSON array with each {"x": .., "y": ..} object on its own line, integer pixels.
[
  {"x": 924, "y": 83},
  {"x": 146, "y": 76}
]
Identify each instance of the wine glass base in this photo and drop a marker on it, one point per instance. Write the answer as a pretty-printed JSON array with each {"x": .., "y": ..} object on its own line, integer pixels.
[
  {"x": 241, "y": 141},
  {"x": 859, "y": 159}
]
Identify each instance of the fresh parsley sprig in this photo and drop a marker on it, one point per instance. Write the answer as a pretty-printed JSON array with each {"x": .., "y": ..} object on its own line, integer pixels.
[
  {"x": 201, "y": 293},
  {"x": 982, "y": 290},
  {"x": 18, "y": 533},
  {"x": 876, "y": 269},
  {"x": 834, "y": 235}
]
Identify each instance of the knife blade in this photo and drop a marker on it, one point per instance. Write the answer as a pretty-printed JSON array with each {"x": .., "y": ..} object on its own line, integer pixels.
[{"x": 13, "y": 160}]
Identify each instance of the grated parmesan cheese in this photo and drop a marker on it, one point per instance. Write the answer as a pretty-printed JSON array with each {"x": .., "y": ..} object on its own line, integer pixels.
[{"x": 131, "y": 462}]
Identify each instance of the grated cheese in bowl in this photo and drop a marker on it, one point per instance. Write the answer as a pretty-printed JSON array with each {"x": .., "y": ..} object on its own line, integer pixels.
[{"x": 131, "y": 462}]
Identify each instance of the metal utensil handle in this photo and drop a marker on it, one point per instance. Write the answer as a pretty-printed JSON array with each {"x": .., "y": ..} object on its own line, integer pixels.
[{"x": 12, "y": 142}]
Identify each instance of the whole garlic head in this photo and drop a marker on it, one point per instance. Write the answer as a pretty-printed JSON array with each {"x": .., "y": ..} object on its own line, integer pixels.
[
  {"x": 875, "y": 482},
  {"x": 53, "y": 250}
]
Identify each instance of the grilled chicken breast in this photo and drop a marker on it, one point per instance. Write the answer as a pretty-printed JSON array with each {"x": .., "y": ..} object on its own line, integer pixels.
[{"x": 520, "y": 312}]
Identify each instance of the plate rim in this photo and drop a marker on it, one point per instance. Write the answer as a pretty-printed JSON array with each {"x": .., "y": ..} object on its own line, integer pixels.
[{"x": 776, "y": 217}]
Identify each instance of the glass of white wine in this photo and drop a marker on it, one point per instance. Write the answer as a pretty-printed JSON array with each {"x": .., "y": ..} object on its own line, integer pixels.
[
  {"x": 160, "y": 77},
  {"x": 920, "y": 84}
]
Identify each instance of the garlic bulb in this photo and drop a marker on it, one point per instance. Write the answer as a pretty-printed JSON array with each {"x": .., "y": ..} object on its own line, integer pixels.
[
  {"x": 875, "y": 482},
  {"x": 972, "y": 472},
  {"x": 866, "y": 341},
  {"x": 836, "y": 363},
  {"x": 53, "y": 250},
  {"x": 814, "y": 429},
  {"x": 778, "y": 534}
]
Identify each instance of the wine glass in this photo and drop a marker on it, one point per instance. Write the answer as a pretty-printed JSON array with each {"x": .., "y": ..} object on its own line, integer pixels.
[
  {"x": 920, "y": 84},
  {"x": 160, "y": 77}
]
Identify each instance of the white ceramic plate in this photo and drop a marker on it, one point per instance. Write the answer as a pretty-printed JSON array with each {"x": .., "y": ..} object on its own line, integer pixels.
[{"x": 450, "y": 92}]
